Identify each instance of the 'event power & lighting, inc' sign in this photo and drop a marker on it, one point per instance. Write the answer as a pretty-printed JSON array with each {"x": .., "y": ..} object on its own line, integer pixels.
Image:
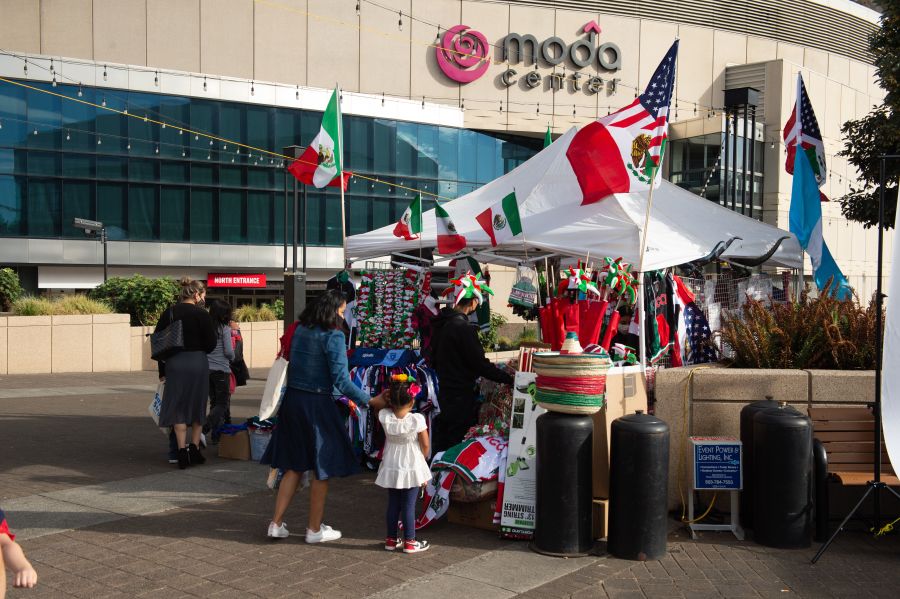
[
  {"x": 464, "y": 56},
  {"x": 236, "y": 280}
]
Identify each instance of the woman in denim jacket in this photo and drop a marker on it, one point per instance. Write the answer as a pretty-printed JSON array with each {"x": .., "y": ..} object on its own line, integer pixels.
[{"x": 311, "y": 434}]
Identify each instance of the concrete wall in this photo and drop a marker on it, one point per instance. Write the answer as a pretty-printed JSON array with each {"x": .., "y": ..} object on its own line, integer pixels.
[
  {"x": 102, "y": 343},
  {"x": 709, "y": 403}
]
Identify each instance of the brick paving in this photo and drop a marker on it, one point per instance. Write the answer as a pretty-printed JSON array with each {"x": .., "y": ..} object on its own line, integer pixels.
[{"x": 219, "y": 548}]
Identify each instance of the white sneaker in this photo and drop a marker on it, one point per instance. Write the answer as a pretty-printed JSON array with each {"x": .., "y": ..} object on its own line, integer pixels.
[
  {"x": 325, "y": 534},
  {"x": 278, "y": 532}
]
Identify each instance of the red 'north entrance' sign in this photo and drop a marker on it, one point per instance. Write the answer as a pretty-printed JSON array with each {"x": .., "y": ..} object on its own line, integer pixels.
[{"x": 235, "y": 280}]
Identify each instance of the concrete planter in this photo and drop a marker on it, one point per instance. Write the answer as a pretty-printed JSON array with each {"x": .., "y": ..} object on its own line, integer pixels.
[
  {"x": 709, "y": 403},
  {"x": 50, "y": 344}
]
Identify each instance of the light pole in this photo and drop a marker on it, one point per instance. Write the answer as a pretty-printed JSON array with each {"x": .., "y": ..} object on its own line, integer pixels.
[{"x": 92, "y": 228}]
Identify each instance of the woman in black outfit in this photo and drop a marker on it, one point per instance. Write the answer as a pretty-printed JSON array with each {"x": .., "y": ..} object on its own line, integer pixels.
[{"x": 186, "y": 373}]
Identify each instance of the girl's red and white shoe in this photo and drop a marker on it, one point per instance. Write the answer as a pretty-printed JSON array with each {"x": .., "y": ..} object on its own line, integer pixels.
[
  {"x": 415, "y": 546},
  {"x": 392, "y": 544}
]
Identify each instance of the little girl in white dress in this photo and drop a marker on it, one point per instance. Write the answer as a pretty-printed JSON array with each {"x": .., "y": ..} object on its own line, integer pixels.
[{"x": 403, "y": 467}]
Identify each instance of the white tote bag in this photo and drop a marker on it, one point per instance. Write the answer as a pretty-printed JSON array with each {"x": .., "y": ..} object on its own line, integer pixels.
[
  {"x": 274, "y": 391},
  {"x": 156, "y": 405}
]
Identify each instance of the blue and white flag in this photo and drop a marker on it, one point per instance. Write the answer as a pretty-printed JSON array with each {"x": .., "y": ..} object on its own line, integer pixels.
[{"x": 806, "y": 224}]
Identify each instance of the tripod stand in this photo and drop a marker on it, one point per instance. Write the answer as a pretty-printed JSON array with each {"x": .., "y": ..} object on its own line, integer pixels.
[{"x": 873, "y": 486}]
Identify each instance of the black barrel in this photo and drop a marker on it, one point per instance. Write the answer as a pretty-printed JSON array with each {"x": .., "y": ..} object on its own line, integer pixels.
[
  {"x": 563, "y": 499},
  {"x": 782, "y": 478},
  {"x": 747, "y": 414},
  {"x": 638, "y": 483}
]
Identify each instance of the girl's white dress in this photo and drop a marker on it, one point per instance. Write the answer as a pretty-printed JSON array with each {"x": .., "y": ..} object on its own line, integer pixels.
[{"x": 402, "y": 466}]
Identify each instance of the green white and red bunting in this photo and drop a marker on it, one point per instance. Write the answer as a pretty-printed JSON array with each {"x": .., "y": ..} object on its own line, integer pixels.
[
  {"x": 410, "y": 224},
  {"x": 321, "y": 163},
  {"x": 449, "y": 241},
  {"x": 501, "y": 221}
]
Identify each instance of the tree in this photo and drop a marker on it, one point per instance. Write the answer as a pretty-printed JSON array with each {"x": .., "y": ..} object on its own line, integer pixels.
[{"x": 877, "y": 133}]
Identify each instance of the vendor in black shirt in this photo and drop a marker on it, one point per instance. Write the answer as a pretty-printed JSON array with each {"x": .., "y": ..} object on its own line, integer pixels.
[{"x": 459, "y": 360}]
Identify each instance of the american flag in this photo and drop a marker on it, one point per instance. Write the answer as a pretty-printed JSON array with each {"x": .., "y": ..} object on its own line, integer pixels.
[
  {"x": 649, "y": 113},
  {"x": 699, "y": 336},
  {"x": 805, "y": 132}
]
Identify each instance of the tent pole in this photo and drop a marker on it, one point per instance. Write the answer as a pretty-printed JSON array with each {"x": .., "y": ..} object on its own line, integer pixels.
[{"x": 642, "y": 333}]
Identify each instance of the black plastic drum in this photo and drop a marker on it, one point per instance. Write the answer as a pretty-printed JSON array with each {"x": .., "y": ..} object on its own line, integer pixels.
[
  {"x": 563, "y": 502},
  {"x": 747, "y": 414},
  {"x": 782, "y": 478},
  {"x": 638, "y": 483}
]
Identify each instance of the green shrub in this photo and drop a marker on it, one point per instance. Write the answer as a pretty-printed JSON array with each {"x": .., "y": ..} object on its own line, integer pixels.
[
  {"x": 32, "y": 306},
  {"x": 141, "y": 297},
  {"x": 267, "y": 314},
  {"x": 250, "y": 313},
  {"x": 490, "y": 337},
  {"x": 529, "y": 333},
  {"x": 506, "y": 344},
  {"x": 10, "y": 289},
  {"x": 64, "y": 306},
  {"x": 277, "y": 307},
  {"x": 811, "y": 333},
  {"x": 80, "y": 304}
]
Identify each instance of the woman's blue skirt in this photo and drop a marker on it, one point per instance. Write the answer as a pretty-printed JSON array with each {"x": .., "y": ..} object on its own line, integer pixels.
[{"x": 311, "y": 435}]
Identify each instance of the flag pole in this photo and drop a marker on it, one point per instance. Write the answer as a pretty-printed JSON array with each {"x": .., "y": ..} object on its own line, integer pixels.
[
  {"x": 642, "y": 333},
  {"x": 340, "y": 123}
]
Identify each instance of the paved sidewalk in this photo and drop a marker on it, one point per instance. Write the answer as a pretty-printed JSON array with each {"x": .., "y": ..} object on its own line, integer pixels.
[{"x": 84, "y": 481}]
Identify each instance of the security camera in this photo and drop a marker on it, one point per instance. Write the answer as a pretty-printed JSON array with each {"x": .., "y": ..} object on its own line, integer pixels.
[{"x": 90, "y": 226}]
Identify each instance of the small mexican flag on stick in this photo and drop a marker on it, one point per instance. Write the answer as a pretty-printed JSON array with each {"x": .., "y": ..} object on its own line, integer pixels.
[
  {"x": 448, "y": 240},
  {"x": 501, "y": 221},
  {"x": 320, "y": 164},
  {"x": 410, "y": 224}
]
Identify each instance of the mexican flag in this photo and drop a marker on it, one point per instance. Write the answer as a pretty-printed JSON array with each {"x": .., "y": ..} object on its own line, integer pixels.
[
  {"x": 622, "y": 152},
  {"x": 501, "y": 221},
  {"x": 548, "y": 139},
  {"x": 322, "y": 162},
  {"x": 448, "y": 240},
  {"x": 410, "y": 224}
]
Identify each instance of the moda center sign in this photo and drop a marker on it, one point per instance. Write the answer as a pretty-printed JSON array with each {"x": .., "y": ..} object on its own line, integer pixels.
[{"x": 464, "y": 55}]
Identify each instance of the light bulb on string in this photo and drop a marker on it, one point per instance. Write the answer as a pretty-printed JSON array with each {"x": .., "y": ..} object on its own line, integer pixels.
[
  {"x": 400, "y": 21},
  {"x": 156, "y": 78},
  {"x": 80, "y": 93},
  {"x": 128, "y": 147},
  {"x": 297, "y": 93},
  {"x": 104, "y": 72},
  {"x": 163, "y": 125},
  {"x": 54, "y": 80},
  {"x": 99, "y": 141},
  {"x": 103, "y": 103},
  {"x": 35, "y": 130},
  {"x": 423, "y": 102},
  {"x": 183, "y": 153},
  {"x": 196, "y": 137},
  {"x": 382, "y": 98},
  {"x": 232, "y": 159},
  {"x": 26, "y": 67},
  {"x": 438, "y": 37},
  {"x": 180, "y": 132},
  {"x": 52, "y": 69},
  {"x": 204, "y": 84},
  {"x": 209, "y": 156},
  {"x": 68, "y": 137},
  {"x": 252, "y": 89},
  {"x": 210, "y": 142},
  {"x": 357, "y": 8}
]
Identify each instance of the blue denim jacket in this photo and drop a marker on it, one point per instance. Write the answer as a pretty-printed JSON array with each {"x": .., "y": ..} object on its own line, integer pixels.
[{"x": 318, "y": 364}]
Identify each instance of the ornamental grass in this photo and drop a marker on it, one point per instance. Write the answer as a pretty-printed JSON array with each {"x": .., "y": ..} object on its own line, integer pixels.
[
  {"x": 63, "y": 306},
  {"x": 821, "y": 332}
]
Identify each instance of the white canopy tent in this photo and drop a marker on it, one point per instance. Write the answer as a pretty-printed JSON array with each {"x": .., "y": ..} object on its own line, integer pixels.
[{"x": 683, "y": 227}]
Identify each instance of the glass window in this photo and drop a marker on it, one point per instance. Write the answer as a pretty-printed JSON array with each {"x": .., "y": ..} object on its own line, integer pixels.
[
  {"x": 12, "y": 206},
  {"x": 43, "y": 163},
  {"x": 78, "y": 119},
  {"x": 259, "y": 217},
  {"x": 143, "y": 170},
  {"x": 259, "y": 128},
  {"x": 427, "y": 160},
  {"x": 78, "y": 202},
  {"x": 203, "y": 215},
  {"x": 357, "y": 215},
  {"x": 231, "y": 216},
  {"x": 13, "y": 114},
  {"x": 231, "y": 176},
  {"x": 385, "y": 159},
  {"x": 43, "y": 208},
  {"x": 448, "y": 153},
  {"x": 112, "y": 168},
  {"x": 177, "y": 113},
  {"x": 359, "y": 153},
  {"x": 383, "y": 213},
  {"x": 44, "y": 118},
  {"x": 173, "y": 213},
  {"x": 407, "y": 151},
  {"x": 174, "y": 172},
  {"x": 287, "y": 129},
  {"x": 260, "y": 177},
  {"x": 112, "y": 209},
  {"x": 144, "y": 135},
  {"x": 468, "y": 155},
  {"x": 486, "y": 166},
  {"x": 279, "y": 225},
  {"x": 203, "y": 174},
  {"x": 143, "y": 212},
  {"x": 78, "y": 165},
  {"x": 332, "y": 213},
  {"x": 204, "y": 117},
  {"x": 112, "y": 128}
]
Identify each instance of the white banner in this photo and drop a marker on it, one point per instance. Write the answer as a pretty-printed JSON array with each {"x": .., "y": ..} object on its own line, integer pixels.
[{"x": 890, "y": 362}]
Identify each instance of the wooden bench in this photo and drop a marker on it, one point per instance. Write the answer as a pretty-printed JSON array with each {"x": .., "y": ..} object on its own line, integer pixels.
[{"x": 843, "y": 451}]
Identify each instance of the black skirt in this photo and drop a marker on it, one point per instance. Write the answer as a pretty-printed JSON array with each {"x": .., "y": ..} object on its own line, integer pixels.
[
  {"x": 187, "y": 389},
  {"x": 311, "y": 435}
]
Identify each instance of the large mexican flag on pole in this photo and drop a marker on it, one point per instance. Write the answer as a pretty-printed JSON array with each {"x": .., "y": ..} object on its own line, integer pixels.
[{"x": 320, "y": 165}]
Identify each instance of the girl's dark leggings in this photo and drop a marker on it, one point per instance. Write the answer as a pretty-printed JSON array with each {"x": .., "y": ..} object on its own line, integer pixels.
[{"x": 402, "y": 506}]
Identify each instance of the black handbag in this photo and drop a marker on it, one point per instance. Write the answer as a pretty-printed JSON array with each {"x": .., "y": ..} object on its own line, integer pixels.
[
  {"x": 168, "y": 341},
  {"x": 239, "y": 366}
]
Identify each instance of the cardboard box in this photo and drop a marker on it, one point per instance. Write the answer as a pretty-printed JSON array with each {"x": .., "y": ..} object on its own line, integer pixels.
[
  {"x": 477, "y": 515},
  {"x": 626, "y": 391},
  {"x": 235, "y": 447},
  {"x": 600, "y": 519}
]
